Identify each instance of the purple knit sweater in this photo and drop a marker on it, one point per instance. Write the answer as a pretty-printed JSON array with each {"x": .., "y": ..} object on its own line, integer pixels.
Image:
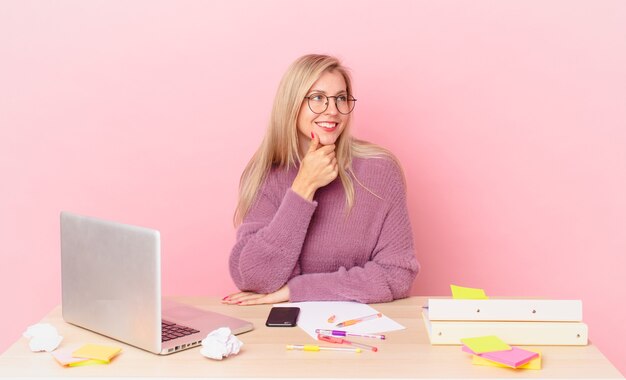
[{"x": 321, "y": 252}]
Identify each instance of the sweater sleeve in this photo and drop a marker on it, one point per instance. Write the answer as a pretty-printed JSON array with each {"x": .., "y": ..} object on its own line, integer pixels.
[
  {"x": 269, "y": 241},
  {"x": 387, "y": 276}
]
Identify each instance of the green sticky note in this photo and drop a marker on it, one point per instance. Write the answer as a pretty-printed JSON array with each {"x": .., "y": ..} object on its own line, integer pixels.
[
  {"x": 485, "y": 344},
  {"x": 461, "y": 293}
]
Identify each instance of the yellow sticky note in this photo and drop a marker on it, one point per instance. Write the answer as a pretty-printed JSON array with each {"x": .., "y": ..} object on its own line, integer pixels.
[
  {"x": 462, "y": 293},
  {"x": 94, "y": 351},
  {"x": 533, "y": 364},
  {"x": 88, "y": 362},
  {"x": 485, "y": 344}
]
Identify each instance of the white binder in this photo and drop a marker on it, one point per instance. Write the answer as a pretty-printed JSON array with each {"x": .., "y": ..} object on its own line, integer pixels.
[
  {"x": 517, "y": 333},
  {"x": 448, "y": 309}
]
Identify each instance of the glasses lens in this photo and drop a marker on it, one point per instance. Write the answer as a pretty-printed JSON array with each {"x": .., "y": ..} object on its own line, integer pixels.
[
  {"x": 345, "y": 104},
  {"x": 318, "y": 103}
]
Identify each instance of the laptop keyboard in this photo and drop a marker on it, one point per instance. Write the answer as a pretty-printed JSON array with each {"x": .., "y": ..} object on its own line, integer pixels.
[{"x": 170, "y": 330}]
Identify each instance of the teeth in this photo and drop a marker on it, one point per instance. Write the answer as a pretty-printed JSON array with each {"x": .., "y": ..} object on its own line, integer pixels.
[{"x": 327, "y": 125}]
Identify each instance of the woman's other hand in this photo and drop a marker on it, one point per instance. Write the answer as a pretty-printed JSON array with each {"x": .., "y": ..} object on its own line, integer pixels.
[{"x": 250, "y": 298}]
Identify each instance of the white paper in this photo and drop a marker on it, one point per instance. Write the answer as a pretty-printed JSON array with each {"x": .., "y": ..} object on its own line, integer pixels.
[
  {"x": 314, "y": 315},
  {"x": 43, "y": 337},
  {"x": 220, "y": 343}
]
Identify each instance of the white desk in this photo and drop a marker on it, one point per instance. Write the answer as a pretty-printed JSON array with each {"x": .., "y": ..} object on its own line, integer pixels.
[{"x": 405, "y": 354}]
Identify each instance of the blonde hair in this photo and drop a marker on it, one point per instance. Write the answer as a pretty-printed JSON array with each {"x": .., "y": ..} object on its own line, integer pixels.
[{"x": 280, "y": 144}]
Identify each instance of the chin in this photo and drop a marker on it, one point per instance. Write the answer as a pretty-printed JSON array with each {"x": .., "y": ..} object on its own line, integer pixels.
[{"x": 328, "y": 140}]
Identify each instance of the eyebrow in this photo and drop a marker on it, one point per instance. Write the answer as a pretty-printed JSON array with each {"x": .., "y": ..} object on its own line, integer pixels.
[{"x": 324, "y": 92}]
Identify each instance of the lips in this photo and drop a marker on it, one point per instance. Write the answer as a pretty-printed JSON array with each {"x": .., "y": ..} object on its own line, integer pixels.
[{"x": 328, "y": 126}]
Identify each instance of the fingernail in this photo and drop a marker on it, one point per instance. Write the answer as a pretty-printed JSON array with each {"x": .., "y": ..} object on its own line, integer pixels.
[
  {"x": 225, "y": 298},
  {"x": 239, "y": 302},
  {"x": 312, "y": 135}
]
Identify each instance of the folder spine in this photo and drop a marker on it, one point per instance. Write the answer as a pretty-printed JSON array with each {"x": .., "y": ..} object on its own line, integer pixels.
[{"x": 445, "y": 309}]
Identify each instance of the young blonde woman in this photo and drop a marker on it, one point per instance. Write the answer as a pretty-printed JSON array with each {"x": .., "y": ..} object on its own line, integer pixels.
[{"x": 321, "y": 215}]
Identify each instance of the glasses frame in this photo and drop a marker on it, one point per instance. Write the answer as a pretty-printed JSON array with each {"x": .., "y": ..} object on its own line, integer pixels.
[{"x": 350, "y": 97}]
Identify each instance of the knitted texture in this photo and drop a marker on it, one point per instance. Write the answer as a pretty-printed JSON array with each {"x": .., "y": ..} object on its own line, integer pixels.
[{"x": 319, "y": 250}]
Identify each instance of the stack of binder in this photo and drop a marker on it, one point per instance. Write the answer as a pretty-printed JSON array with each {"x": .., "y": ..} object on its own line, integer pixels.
[{"x": 515, "y": 321}]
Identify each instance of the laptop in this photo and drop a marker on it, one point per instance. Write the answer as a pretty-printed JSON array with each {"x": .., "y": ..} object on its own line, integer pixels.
[{"x": 111, "y": 284}]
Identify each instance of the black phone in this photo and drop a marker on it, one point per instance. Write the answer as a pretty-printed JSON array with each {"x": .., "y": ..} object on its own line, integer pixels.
[{"x": 283, "y": 317}]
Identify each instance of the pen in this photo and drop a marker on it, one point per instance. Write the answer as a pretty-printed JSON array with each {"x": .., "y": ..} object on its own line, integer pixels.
[
  {"x": 310, "y": 347},
  {"x": 332, "y": 339},
  {"x": 357, "y": 320},
  {"x": 345, "y": 333}
]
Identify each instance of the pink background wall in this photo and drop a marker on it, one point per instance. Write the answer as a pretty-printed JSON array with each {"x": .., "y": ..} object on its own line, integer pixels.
[{"x": 508, "y": 117}]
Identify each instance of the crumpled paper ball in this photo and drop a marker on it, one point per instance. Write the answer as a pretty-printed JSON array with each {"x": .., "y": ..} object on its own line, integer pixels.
[
  {"x": 220, "y": 344},
  {"x": 43, "y": 337}
]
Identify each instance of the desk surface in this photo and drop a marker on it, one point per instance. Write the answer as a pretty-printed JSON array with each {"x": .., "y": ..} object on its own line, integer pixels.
[{"x": 405, "y": 354}]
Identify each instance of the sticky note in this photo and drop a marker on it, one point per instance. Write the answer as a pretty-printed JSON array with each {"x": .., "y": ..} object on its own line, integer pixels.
[
  {"x": 98, "y": 352},
  {"x": 64, "y": 355},
  {"x": 513, "y": 358},
  {"x": 88, "y": 362},
  {"x": 488, "y": 343},
  {"x": 533, "y": 364},
  {"x": 461, "y": 293}
]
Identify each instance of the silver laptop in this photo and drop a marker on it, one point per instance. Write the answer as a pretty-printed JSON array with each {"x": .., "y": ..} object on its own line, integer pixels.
[{"x": 111, "y": 280}]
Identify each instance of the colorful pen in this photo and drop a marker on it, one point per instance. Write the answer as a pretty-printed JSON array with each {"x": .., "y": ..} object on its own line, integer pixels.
[
  {"x": 345, "y": 333},
  {"x": 333, "y": 339},
  {"x": 351, "y": 322},
  {"x": 310, "y": 347}
]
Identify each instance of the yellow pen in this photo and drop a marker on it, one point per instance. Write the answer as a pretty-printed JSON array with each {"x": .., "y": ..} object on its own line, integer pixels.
[
  {"x": 310, "y": 347},
  {"x": 351, "y": 322}
]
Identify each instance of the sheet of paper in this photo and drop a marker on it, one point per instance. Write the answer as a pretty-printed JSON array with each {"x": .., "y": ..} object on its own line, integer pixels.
[
  {"x": 98, "y": 352},
  {"x": 462, "y": 293},
  {"x": 314, "y": 315},
  {"x": 488, "y": 343}
]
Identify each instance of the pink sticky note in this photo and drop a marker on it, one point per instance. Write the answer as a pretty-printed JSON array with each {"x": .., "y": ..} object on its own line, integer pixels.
[
  {"x": 64, "y": 355},
  {"x": 514, "y": 357}
]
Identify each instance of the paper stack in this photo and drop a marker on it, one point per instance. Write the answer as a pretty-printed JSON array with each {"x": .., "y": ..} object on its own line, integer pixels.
[
  {"x": 87, "y": 354},
  {"x": 492, "y": 351},
  {"x": 516, "y": 321}
]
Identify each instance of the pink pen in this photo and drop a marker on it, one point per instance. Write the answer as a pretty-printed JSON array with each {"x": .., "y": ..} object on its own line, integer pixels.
[
  {"x": 345, "y": 333},
  {"x": 332, "y": 339}
]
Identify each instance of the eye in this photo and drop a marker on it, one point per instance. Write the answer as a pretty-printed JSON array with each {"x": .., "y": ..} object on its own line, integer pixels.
[
  {"x": 342, "y": 98},
  {"x": 317, "y": 98}
]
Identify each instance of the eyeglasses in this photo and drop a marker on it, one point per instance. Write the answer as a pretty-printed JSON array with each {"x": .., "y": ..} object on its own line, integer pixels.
[{"x": 318, "y": 103}]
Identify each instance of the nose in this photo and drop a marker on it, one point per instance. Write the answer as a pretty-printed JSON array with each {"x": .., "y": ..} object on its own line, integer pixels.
[{"x": 332, "y": 106}]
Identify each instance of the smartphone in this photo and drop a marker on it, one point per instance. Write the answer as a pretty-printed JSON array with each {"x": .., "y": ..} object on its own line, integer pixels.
[{"x": 283, "y": 317}]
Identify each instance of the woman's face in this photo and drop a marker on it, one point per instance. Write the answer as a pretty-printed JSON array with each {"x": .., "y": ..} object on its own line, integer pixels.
[{"x": 329, "y": 124}]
